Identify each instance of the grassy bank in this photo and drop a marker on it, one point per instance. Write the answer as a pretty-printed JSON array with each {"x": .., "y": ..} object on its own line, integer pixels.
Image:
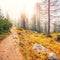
[{"x": 28, "y": 38}]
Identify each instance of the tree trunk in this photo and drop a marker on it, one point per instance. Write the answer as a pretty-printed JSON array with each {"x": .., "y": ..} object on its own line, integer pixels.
[{"x": 48, "y": 17}]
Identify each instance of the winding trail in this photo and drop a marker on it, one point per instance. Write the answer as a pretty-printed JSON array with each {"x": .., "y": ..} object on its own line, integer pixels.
[{"x": 9, "y": 47}]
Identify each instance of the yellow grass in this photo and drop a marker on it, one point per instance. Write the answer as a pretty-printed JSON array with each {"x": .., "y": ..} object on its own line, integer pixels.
[{"x": 29, "y": 37}]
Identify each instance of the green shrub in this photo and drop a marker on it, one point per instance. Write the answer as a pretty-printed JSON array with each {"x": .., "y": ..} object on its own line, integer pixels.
[{"x": 4, "y": 25}]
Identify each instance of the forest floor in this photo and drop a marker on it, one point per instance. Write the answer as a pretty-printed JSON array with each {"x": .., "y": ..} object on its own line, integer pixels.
[
  {"x": 37, "y": 46},
  {"x": 29, "y": 45}
]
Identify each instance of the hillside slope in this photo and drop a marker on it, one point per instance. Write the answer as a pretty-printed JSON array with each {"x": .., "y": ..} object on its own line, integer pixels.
[{"x": 27, "y": 40}]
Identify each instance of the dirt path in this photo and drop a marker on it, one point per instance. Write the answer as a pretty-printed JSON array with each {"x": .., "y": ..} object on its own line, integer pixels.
[{"x": 9, "y": 48}]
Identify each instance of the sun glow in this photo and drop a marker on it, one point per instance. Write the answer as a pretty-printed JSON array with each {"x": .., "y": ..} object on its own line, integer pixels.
[{"x": 15, "y": 7}]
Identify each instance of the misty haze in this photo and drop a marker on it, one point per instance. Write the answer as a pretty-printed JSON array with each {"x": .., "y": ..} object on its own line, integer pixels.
[{"x": 29, "y": 29}]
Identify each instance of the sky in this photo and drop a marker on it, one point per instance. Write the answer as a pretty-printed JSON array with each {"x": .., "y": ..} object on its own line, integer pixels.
[{"x": 15, "y": 7}]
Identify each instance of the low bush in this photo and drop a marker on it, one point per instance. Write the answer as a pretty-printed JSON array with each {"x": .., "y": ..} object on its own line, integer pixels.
[{"x": 4, "y": 25}]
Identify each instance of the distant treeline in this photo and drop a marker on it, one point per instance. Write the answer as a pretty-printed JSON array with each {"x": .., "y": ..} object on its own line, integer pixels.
[{"x": 36, "y": 24}]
